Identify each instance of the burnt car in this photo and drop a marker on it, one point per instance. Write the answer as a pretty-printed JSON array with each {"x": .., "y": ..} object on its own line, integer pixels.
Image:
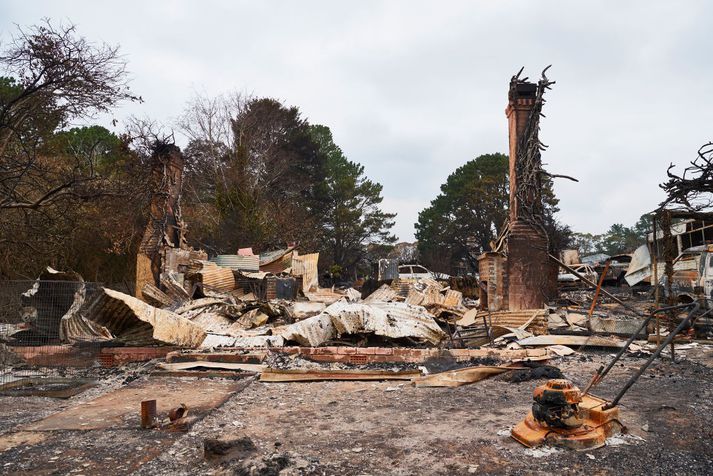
[{"x": 586, "y": 270}]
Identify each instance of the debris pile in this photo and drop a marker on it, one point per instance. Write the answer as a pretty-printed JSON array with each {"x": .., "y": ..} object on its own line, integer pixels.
[{"x": 199, "y": 303}]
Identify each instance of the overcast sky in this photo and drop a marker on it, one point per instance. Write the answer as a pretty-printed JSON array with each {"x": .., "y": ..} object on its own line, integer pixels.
[{"x": 412, "y": 90}]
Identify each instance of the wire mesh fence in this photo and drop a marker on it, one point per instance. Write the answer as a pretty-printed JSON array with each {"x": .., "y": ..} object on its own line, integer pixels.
[{"x": 31, "y": 341}]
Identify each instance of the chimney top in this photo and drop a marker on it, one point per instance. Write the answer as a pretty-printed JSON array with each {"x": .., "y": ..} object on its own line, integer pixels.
[{"x": 525, "y": 91}]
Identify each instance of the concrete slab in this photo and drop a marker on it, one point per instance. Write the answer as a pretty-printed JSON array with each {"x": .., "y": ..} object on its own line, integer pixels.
[{"x": 120, "y": 408}]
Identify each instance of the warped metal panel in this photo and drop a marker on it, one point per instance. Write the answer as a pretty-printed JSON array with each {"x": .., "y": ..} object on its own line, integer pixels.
[
  {"x": 389, "y": 319},
  {"x": 306, "y": 266},
  {"x": 132, "y": 320},
  {"x": 383, "y": 294}
]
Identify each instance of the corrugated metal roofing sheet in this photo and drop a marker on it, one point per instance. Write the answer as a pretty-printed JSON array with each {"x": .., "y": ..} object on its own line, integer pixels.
[
  {"x": 306, "y": 266},
  {"x": 389, "y": 319},
  {"x": 514, "y": 319},
  {"x": 133, "y": 321},
  {"x": 239, "y": 263},
  {"x": 214, "y": 340},
  {"x": 217, "y": 278},
  {"x": 383, "y": 294},
  {"x": 272, "y": 256}
]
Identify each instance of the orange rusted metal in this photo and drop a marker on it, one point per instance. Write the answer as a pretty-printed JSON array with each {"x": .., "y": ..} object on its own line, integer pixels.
[
  {"x": 148, "y": 414},
  {"x": 178, "y": 412},
  {"x": 563, "y": 387},
  {"x": 599, "y": 288},
  {"x": 588, "y": 427}
]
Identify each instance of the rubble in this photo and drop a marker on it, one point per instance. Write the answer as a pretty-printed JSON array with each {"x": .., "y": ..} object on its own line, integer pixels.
[
  {"x": 215, "y": 450},
  {"x": 202, "y": 304},
  {"x": 227, "y": 314},
  {"x": 256, "y": 368},
  {"x": 535, "y": 372},
  {"x": 384, "y": 294},
  {"x": 303, "y": 309}
]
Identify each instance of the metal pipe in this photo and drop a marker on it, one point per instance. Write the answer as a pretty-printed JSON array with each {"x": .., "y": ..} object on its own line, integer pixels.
[
  {"x": 610, "y": 295},
  {"x": 599, "y": 288},
  {"x": 659, "y": 349},
  {"x": 655, "y": 266}
]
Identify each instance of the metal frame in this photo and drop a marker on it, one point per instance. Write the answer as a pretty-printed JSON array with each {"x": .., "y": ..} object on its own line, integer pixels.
[{"x": 30, "y": 316}]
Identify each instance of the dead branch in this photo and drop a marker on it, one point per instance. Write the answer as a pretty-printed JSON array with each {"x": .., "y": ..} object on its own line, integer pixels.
[
  {"x": 693, "y": 189},
  {"x": 559, "y": 176}
]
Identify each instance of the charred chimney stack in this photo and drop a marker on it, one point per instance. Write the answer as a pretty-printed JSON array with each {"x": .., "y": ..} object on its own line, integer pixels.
[{"x": 528, "y": 270}]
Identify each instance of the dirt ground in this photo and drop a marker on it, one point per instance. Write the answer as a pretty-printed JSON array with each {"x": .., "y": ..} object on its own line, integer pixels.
[{"x": 360, "y": 428}]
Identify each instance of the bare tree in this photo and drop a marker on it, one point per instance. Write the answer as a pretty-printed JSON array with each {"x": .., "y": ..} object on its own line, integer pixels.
[
  {"x": 693, "y": 189},
  {"x": 251, "y": 168},
  {"x": 50, "y": 77},
  {"x": 404, "y": 252},
  {"x": 207, "y": 123}
]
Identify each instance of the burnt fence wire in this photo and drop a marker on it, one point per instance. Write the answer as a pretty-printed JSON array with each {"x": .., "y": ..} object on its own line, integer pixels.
[{"x": 30, "y": 340}]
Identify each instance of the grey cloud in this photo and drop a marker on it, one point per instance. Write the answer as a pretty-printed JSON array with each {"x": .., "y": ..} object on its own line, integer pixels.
[{"x": 412, "y": 90}]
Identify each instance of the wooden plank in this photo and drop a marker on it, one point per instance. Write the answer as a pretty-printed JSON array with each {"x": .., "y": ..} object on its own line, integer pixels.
[
  {"x": 211, "y": 365},
  {"x": 231, "y": 374},
  {"x": 570, "y": 340},
  {"x": 464, "y": 376},
  {"x": 307, "y": 375}
]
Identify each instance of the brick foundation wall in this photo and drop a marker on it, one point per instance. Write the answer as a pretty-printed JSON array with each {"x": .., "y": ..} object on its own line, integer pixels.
[
  {"x": 528, "y": 271},
  {"x": 71, "y": 356}
]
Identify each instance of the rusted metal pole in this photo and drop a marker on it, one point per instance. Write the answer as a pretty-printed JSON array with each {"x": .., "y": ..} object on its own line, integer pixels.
[
  {"x": 669, "y": 256},
  {"x": 669, "y": 339},
  {"x": 655, "y": 273},
  {"x": 610, "y": 295},
  {"x": 599, "y": 288}
]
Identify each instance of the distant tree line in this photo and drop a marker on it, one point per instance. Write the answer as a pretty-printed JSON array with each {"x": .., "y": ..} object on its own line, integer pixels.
[
  {"x": 74, "y": 195},
  {"x": 618, "y": 239},
  {"x": 468, "y": 214}
]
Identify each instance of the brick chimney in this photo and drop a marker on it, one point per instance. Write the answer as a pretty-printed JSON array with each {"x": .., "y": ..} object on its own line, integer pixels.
[
  {"x": 520, "y": 102},
  {"x": 165, "y": 228},
  {"x": 527, "y": 261}
]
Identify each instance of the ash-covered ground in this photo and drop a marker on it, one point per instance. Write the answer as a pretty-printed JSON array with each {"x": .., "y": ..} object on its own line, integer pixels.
[{"x": 378, "y": 428}]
